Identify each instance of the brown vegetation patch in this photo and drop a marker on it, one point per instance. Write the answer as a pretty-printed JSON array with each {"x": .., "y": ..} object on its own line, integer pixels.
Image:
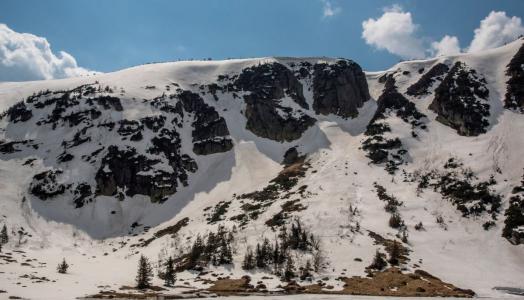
[
  {"x": 227, "y": 286},
  {"x": 403, "y": 255},
  {"x": 392, "y": 282}
]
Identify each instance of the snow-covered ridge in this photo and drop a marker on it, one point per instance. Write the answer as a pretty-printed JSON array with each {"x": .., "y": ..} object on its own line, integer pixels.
[{"x": 115, "y": 162}]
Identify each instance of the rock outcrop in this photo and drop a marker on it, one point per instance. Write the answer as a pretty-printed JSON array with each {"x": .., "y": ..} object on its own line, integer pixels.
[
  {"x": 339, "y": 88},
  {"x": 461, "y": 101},
  {"x": 124, "y": 170},
  {"x": 210, "y": 132},
  {"x": 266, "y": 85},
  {"x": 386, "y": 150},
  {"x": 421, "y": 87}
]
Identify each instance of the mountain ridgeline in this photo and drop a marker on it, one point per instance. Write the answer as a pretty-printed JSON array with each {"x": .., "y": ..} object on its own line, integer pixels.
[{"x": 294, "y": 167}]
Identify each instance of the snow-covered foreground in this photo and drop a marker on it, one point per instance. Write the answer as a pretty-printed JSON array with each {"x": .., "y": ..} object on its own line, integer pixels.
[{"x": 103, "y": 239}]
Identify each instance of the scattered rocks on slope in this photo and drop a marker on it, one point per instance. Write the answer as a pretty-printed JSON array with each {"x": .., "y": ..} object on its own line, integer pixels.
[
  {"x": 339, "y": 88},
  {"x": 381, "y": 149},
  {"x": 463, "y": 189},
  {"x": 515, "y": 86},
  {"x": 460, "y": 101},
  {"x": 422, "y": 86}
]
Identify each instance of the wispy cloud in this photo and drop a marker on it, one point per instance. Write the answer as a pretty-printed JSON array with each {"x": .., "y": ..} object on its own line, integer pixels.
[
  {"x": 330, "y": 9},
  {"x": 25, "y": 56}
]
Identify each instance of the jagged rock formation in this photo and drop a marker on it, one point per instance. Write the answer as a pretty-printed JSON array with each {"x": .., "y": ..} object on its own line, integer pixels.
[
  {"x": 339, "y": 88},
  {"x": 125, "y": 170},
  {"x": 210, "y": 133},
  {"x": 514, "y": 98},
  {"x": 421, "y": 87},
  {"x": 460, "y": 101},
  {"x": 267, "y": 84}
]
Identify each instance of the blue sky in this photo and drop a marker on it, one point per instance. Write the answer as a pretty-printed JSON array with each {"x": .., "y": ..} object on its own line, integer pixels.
[{"x": 109, "y": 35}]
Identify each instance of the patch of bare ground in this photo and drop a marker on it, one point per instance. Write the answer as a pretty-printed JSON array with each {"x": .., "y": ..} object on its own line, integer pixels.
[
  {"x": 392, "y": 282},
  {"x": 228, "y": 287}
]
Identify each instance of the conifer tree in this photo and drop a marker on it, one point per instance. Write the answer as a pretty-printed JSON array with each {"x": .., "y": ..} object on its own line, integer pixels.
[
  {"x": 62, "y": 267},
  {"x": 144, "y": 273},
  {"x": 226, "y": 255},
  {"x": 169, "y": 273},
  {"x": 289, "y": 271},
  {"x": 276, "y": 255},
  {"x": 259, "y": 257},
  {"x": 196, "y": 251},
  {"x": 249, "y": 260},
  {"x": 378, "y": 261},
  {"x": 394, "y": 254},
  {"x": 306, "y": 270},
  {"x": 4, "y": 238}
]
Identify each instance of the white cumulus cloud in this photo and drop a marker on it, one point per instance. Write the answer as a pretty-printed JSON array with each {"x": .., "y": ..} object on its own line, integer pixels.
[
  {"x": 330, "y": 9},
  {"x": 449, "y": 45},
  {"x": 25, "y": 56},
  {"x": 496, "y": 30},
  {"x": 395, "y": 32}
]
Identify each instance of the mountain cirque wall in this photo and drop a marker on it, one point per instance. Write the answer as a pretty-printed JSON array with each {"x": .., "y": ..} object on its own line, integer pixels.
[{"x": 120, "y": 156}]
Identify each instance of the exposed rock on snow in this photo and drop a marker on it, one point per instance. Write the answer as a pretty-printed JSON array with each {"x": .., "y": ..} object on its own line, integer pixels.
[
  {"x": 421, "y": 87},
  {"x": 461, "y": 101},
  {"x": 267, "y": 84},
  {"x": 340, "y": 88}
]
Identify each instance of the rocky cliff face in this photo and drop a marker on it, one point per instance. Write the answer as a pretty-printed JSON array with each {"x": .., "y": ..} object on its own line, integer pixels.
[
  {"x": 266, "y": 85},
  {"x": 461, "y": 101},
  {"x": 339, "y": 89}
]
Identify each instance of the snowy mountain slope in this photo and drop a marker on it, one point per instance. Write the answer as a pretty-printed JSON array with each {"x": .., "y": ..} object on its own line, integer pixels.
[{"x": 206, "y": 141}]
